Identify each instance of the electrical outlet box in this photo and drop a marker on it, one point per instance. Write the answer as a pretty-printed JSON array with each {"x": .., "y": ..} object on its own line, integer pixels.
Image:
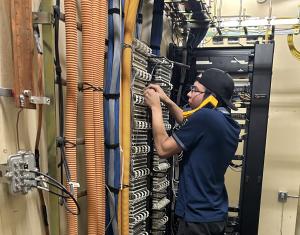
[
  {"x": 282, "y": 196},
  {"x": 17, "y": 173}
]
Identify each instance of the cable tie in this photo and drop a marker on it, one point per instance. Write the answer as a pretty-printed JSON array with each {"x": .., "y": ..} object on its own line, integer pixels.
[
  {"x": 81, "y": 87},
  {"x": 125, "y": 45},
  {"x": 62, "y": 141},
  {"x": 139, "y": 19},
  {"x": 111, "y": 95},
  {"x": 112, "y": 146},
  {"x": 115, "y": 11},
  {"x": 112, "y": 189},
  {"x": 69, "y": 144}
]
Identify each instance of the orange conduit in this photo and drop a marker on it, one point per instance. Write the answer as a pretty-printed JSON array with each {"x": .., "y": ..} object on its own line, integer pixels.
[
  {"x": 130, "y": 21},
  {"x": 87, "y": 58},
  {"x": 99, "y": 8},
  {"x": 71, "y": 103}
]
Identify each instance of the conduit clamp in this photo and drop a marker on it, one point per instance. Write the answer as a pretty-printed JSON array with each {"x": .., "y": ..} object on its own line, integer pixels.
[
  {"x": 73, "y": 185},
  {"x": 33, "y": 99}
]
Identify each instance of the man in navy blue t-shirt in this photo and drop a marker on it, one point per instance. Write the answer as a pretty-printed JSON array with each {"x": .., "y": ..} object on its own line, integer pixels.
[{"x": 208, "y": 138}]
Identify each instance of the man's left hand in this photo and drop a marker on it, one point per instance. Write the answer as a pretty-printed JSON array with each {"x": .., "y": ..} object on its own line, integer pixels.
[{"x": 151, "y": 98}]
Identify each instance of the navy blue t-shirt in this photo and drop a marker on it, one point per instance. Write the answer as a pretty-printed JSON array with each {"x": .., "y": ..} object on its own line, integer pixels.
[{"x": 209, "y": 139}]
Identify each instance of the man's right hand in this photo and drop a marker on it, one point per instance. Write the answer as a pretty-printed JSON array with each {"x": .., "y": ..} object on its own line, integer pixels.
[{"x": 162, "y": 95}]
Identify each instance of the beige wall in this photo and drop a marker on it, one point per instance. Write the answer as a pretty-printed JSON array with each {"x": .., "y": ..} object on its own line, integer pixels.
[
  {"x": 282, "y": 162},
  {"x": 19, "y": 214}
]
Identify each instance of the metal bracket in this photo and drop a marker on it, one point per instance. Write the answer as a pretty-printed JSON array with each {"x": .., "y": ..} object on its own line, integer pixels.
[
  {"x": 283, "y": 196},
  {"x": 39, "y": 100},
  {"x": 33, "y": 99},
  {"x": 6, "y": 92},
  {"x": 42, "y": 18}
]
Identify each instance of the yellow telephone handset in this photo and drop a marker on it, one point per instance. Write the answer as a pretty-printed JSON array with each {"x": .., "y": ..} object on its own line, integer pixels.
[{"x": 209, "y": 100}]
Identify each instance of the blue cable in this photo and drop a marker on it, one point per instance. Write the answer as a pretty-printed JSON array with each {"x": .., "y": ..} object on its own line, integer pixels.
[
  {"x": 111, "y": 111},
  {"x": 139, "y": 20},
  {"x": 157, "y": 26},
  {"x": 107, "y": 113}
]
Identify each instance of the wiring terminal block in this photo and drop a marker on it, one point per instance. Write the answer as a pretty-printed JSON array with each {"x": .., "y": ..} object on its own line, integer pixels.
[{"x": 18, "y": 173}]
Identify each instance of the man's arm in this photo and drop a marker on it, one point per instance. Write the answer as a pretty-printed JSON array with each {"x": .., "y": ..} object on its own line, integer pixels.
[
  {"x": 175, "y": 111},
  {"x": 165, "y": 146}
]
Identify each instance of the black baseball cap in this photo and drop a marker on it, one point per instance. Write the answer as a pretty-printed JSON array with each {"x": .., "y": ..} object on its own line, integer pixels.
[{"x": 220, "y": 83}]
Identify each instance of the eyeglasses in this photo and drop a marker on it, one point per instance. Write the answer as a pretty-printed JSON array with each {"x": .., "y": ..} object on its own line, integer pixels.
[{"x": 193, "y": 88}]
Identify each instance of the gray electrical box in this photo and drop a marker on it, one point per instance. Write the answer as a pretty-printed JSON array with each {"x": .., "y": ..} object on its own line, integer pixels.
[{"x": 17, "y": 172}]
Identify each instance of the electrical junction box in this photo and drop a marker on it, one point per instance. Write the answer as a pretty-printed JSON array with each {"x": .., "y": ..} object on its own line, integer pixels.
[{"x": 17, "y": 173}]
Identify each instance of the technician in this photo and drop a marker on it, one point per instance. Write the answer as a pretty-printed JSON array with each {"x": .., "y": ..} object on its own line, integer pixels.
[{"x": 208, "y": 138}]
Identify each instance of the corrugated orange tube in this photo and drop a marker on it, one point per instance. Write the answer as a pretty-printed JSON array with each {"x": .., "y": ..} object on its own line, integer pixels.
[
  {"x": 99, "y": 17},
  {"x": 130, "y": 21},
  {"x": 71, "y": 103},
  {"x": 87, "y": 51}
]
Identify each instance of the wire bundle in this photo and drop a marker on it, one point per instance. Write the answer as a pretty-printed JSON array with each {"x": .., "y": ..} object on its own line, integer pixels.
[{"x": 111, "y": 112}]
